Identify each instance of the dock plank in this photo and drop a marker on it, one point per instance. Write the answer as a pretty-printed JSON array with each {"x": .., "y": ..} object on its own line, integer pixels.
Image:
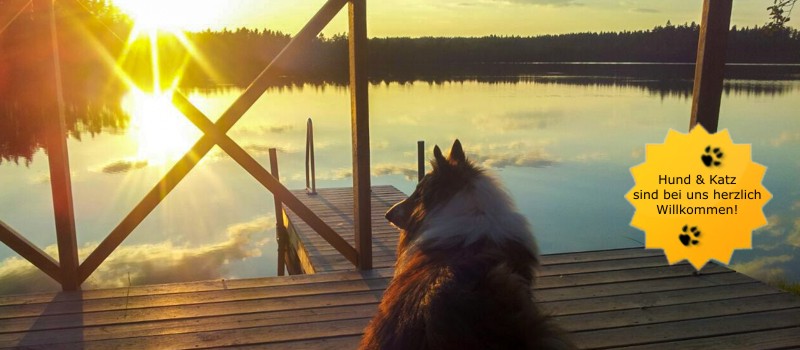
[
  {"x": 335, "y": 207},
  {"x": 688, "y": 329},
  {"x": 787, "y": 338},
  {"x": 669, "y": 313}
]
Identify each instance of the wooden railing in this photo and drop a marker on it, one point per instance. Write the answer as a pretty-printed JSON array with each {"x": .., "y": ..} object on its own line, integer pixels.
[
  {"x": 281, "y": 234},
  {"x": 420, "y": 160},
  {"x": 70, "y": 274},
  {"x": 710, "y": 64},
  {"x": 311, "y": 168}
]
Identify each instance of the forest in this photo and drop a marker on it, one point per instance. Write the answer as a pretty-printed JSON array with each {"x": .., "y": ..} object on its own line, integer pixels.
[
  {"x": 248, "y": 50},
  {"x": 92, "y": 37},
  {"x": 237, "y": 56}
]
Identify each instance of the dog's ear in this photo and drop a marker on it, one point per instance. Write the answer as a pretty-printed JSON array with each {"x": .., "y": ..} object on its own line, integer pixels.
[
  {"x": 437, "y": 155},
  {"x": 457, "y": 153}
]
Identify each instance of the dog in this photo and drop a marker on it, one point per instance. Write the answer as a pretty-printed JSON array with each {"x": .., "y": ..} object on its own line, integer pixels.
[{"x": 465, "y": 268}]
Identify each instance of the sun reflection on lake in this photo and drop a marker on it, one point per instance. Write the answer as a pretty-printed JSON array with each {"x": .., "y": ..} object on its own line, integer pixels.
[{"x": 161, "y": 132}]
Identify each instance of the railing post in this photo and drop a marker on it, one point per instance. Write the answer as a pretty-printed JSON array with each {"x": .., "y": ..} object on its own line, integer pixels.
[
  {"x": 420, "y": 160},
  {"x": 710, "y": 64},
  {"x": 359, "y": 111},
  {"x": 60, "y": 182},
  {"x": 280, "y": 225},
  {"x": 311, "y": 181}
]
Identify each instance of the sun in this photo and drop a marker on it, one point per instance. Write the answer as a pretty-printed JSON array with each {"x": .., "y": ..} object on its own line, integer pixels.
[
  {"x": 172, "y": 15},
  {"x": 162, "y": 134}
]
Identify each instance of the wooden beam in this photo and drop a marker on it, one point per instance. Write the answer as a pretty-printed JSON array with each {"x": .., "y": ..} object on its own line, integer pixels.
[
  {"x": 60, "y": 182},
  {"x": 710, "y": 65},
  {"x": 311, "y": 178},
  {"x": 420, "y": 160},
  {"x": 280, "y": 225},
  {"x": 359, "y": 112},
  {"x": 30, "y": 252},
  {"x": 204, "y": 145},
  {"x": 249, "y": 164}
]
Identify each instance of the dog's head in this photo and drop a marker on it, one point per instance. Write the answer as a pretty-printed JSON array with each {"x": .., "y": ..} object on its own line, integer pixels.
[{"x": 448, "y": 176}]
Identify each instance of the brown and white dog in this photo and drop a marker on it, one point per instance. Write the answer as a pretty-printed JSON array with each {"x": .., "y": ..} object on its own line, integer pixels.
[{"x": 465, "y": 268}]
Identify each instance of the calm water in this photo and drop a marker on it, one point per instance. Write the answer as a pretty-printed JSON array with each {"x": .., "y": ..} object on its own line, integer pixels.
[{"x": 562, "y": 140}]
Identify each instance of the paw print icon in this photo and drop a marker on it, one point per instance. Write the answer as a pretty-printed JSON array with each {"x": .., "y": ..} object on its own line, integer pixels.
[
  {"x": 689, "y": 234},
  {"x": 712, "y": 157}
]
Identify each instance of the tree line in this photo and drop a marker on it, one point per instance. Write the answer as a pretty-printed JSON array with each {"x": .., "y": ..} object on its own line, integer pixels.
[
  {"x": 241, "y": 53},
  {"x": 236, "y": 56},
  {"x": 92, "y": 37}
]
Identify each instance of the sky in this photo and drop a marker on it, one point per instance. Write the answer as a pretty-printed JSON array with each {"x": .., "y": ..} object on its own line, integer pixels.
[{"x": 414, "y": 18}]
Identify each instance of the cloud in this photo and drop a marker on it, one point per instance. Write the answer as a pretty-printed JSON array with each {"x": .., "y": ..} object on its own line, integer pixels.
[
  {"x": 646, "y": 10},
  {"x": 533, "y": 159},
  {"x": 378, "y": 144},
  {"x": 123, "y": 166},
  {"x": 332, "y": 174},
  {"x": 769, "y": 247},
  {"x": 794, "y": 237},
  {"x": 519, "y": 120},
  {"x": 262, "y": 130},
  {"x": 591, "y": 157},
  {"x": 164, "y": 262},
  {"x": 255, "y": 149},
  {"x": 410, "y": 172},
  {"x": 278, "y": 129},
  {"x": 785, "y": 137},
  {"x": 763, "y": 268},
  {"x": 516, "y": 153},
  {"x": 773, "y": 227}
]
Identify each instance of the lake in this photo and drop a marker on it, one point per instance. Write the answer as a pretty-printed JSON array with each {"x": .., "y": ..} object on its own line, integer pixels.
[{"x": 561, "y": 137}]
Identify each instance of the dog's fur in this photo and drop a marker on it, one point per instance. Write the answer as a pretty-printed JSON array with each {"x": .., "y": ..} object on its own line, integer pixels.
[{"x": 465, "y": 268}]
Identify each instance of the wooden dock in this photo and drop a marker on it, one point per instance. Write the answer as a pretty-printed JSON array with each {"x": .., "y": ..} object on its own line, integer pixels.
[
  {"x": 310, "y": 253},
  {"x": 607, "y": 299}
]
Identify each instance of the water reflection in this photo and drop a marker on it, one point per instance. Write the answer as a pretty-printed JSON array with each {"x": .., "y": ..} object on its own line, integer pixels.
[
  {"x": 160, "y": 131},
  {"x": 24, "y": 127},
  {"x": 562, "y": 143},
  {"x": 163, "y": 134},
  {"x": 163, "y": 262}
]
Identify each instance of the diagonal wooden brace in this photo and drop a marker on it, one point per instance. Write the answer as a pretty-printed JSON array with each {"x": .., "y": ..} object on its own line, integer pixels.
[
  {"x": 204, "y": 145},
  {"x": 264, "y": 177},
  {"x": 30, "y": 252}
]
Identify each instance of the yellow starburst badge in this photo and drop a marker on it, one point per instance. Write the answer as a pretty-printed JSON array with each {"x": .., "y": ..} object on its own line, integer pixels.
[{"x": 698, "y": 196}]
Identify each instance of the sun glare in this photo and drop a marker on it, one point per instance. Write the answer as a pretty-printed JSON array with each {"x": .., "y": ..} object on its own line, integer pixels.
[
  {"x": 161, "y": 132},
  {"x": 171, "y": 15}
]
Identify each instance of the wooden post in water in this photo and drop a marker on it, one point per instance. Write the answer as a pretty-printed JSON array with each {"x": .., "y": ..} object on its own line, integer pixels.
[
  {"x": 710, "y": 65},
  {"x": 420, "y": 160},
  {"x": 359, "y": 110},
  {"x": 280, "y": 225},
  {"x": 311, "y": 178},
  {"x": 60, "y": 181}
]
